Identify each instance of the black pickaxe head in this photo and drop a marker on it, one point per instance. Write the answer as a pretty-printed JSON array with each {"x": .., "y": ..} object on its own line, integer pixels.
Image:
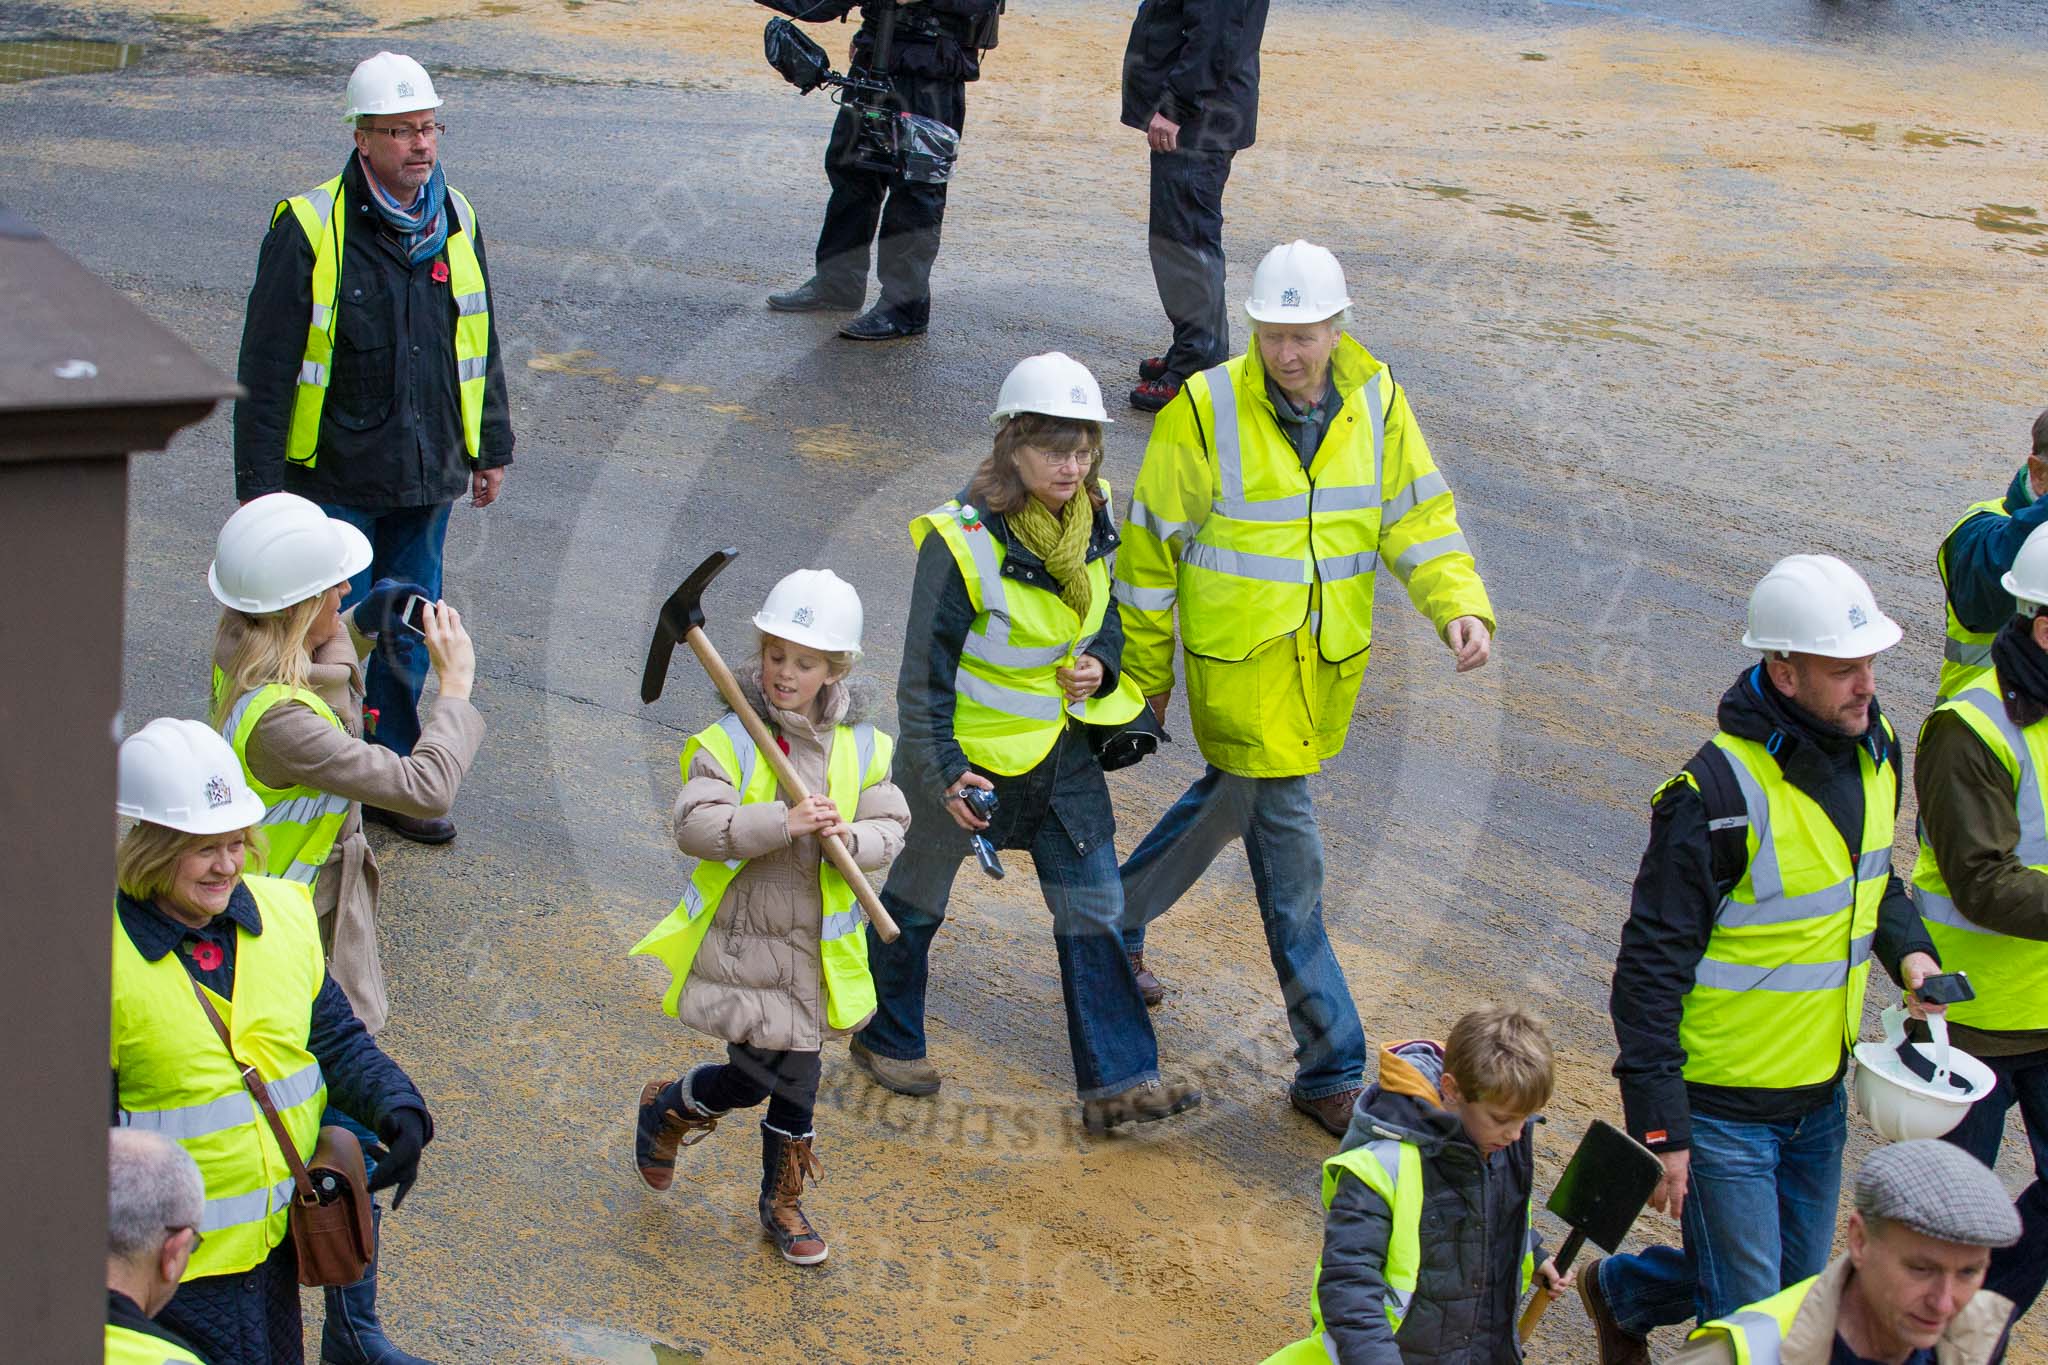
[{"x": 683, "y": 610}]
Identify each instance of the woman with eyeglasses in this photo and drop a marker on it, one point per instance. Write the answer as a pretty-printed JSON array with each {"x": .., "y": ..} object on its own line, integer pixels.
[
  {"x": 195, "y": 931},
  {"x": 1009, "y": 663}
]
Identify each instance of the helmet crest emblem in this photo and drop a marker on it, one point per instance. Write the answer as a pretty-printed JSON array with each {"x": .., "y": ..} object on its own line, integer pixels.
[
  {"x": 802, "y": 616},
  {"x": 1857, "y": 620},
  {"x": 405, "y": 90},
  {"x": 1076, "y": 395},
  {"x": 1290, "y": 298},
  {"x": 217, "y": 792}
]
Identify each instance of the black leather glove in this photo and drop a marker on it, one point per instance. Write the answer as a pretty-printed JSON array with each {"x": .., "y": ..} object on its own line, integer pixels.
[
  {"x": 404, "y": 1132},
  {"x": 381, "y": 607}
]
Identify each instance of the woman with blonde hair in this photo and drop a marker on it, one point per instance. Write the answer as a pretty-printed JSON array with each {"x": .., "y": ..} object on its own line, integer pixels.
[{"x": 197, "y": 932}]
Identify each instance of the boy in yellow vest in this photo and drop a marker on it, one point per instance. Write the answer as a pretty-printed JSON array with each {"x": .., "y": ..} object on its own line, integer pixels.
[
  {"x": 768, "y": 948},
  {"x": 1427, "y": 1241}
]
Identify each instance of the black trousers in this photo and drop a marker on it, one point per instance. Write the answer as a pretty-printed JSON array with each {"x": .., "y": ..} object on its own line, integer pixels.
[
  {"x": 907, "y": 214},
  {"x": 787, "y": 1080},
  {"x": 1187, "y": 255}
]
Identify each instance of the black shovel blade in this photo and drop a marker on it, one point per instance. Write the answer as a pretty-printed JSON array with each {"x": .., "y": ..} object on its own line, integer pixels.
[{"x": 1609, "y": 1180}]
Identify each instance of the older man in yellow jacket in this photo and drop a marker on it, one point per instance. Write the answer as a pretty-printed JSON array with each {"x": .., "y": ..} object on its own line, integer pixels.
[{"x": 1273, "y": 489}]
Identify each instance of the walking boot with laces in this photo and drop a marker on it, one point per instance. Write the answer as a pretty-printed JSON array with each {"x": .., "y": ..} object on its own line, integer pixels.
[
  {"x": 1149, "y": 988},
  {"x": 1616, "y": 1346},
  {"x": 1145, "y": 1102},
  {"x": 669, "y": 1117},
  {"x": 352, "y": 1335},
  {"x": 785, "y": 1160},
  {"x": 1333, "y": 1112},
  {"x": 915, "y": 1078}
]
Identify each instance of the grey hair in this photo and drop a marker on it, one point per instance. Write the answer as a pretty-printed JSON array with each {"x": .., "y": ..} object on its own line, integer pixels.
[{"x": 153, "y": 1185}]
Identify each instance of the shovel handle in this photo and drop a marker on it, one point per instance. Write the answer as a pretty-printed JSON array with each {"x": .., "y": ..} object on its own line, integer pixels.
[
  {"x": 1543, "y": 1298},
  {"x": 835, "y": 847}
]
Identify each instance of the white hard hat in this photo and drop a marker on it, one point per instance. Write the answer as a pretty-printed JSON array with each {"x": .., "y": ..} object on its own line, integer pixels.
[
  {"x": 2027, "y": 580},
  {"x": 1816, "y": 604},
  {"x": 181, "y": 773},
  {"x": 1297, "y": 282},
  {"x": 814, "y": 607},
  {"x": 1054, "y": 384},
  {"x": 389, "y": 83},
  {"x": 1902, "y": 1106},
  {"x": 280, "y": 549}
]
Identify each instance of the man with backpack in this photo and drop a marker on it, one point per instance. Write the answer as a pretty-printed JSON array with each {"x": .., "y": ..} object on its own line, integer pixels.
[{"x": 1766, "y": 889}]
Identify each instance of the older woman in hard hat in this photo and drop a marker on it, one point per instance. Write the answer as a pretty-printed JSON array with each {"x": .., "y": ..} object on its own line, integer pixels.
[
  {"x": 288, "y": 695},
  {"x": 194, "y": 928},
  {"x": 1011, "y": 656}
]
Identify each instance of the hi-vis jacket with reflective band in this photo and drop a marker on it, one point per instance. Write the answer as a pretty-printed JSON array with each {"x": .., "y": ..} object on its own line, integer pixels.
[
  {"x": 2010, "y": 974},
  {"x": 300, "y": 824},
  {"x": 1757, "y": 1333},
  {"x": 126, "y": 1346},
  {"x": 1965, "y": 653},
  {"x": 1227, "y": 527},
  {"x": 1392, "y": 1170},
  {"x": 174, "y": 1077},
  {"x": 323, "y": 227},
  {"x": 1778, "y": 995},
  {"x": 1008, "y": 707},
  {"x": 860, "y": 759}
]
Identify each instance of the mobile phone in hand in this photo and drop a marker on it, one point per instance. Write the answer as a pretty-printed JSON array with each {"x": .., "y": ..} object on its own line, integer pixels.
[
  {"x": 1950, "y": 988},
  {"x": 410, "y": 617}
]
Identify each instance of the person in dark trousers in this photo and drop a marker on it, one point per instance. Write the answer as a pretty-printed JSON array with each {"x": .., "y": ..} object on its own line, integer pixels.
[
  {"x": 1191, "y": 85},
  {"x": 934, "y": 50},
  {"x": 392, "y": 404}
]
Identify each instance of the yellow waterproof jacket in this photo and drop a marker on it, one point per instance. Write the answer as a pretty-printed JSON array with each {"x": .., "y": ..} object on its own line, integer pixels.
[{"x": 1272, "y": 568}]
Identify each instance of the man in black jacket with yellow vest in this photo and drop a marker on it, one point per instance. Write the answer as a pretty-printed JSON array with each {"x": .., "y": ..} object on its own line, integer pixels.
[{"x": 1765, "y": 891}]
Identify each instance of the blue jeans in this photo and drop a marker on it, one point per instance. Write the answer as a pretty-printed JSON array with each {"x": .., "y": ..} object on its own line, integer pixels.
[
  {"x": 331, "y": 1115},
  {"x": 405, "y": 544},
  {"x": 1108, "y": 1028},
  {"x": 1277, "y": 821},
  {"x": 2018, "y": 1271},
  {"x": 1759, "y": 1215}
]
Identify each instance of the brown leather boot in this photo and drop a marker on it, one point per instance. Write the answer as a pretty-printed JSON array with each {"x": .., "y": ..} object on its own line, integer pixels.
[
  {"x": 785, "y": 1161},
  {"x": 660, "y": 1129},
  {"x": 1149, "y": 989},
  {"x": 915, "y": 1078},
  {"x": 1616, "y": 1346},
  {"x": 1333, "y": 1112}
]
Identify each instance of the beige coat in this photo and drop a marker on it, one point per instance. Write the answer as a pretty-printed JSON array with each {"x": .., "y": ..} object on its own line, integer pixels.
[
  {"x": 1970, "y": 1339},
  {"x": 293, "y": 745},
  {"x": 756, "y": 978}
]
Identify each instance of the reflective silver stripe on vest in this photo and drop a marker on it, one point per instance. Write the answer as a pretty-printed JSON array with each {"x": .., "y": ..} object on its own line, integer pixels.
[
  {"x": 322, "y": 314},
  {"x": 1404, "y": 502},
  {"x": 1002, "y": 655},
  {"x": 1790, "y": 977},
  {"x": 472, "y": 368},
  {"x": 1330, "y": 1349},
  {"x": 1009, "y": 701},
  {"x": 981, "y": 547},
  {"x": 238, "y": 1209},
  {"x": 1292, "y": 507},
  {"x": 1874, "y": 864},
  {"x": 1244, "y": 564},
  {"x": 2033, "y": 845},
  {"x": 314, "y": 373},
  {"x": 229, "y": 1111},
  {"x": 1387, "y": 1151},
  {"x": 1347, "y": 566},
  {"x": 304, "y": 810},
  {"x": 1767, "y": 881},
  {"x": 742, "y": 748},
  {"x": 1166, "y": 531},
  {"x": 841, "y": 924},
  {"x": 1968, "y": 655},
  {"x": 467, "y": 305},
  {"x": 863, "y": 751},
  {"x": 1144, "y": 599},
  {"x": 1762, "y": 1339},
  {"x": 693, "y": 899},
  {"x": 1346, "y": 498},
  {"x": 1415, "y": 556},
  {"x": 1941, "y": 910},
  {"x": 322, "y": 202},
  {"x": 233, "y": 722},
  {"x": 1230, "y": 461},
  {"x": 462, "y": 213}
]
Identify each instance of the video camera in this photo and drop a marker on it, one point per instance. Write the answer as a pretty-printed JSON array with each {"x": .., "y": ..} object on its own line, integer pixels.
[{"x": 886, "y": 141}]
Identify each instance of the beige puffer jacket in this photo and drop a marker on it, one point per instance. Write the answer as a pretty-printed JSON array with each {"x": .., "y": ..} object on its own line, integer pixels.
[{"x": 756, "y": 978}]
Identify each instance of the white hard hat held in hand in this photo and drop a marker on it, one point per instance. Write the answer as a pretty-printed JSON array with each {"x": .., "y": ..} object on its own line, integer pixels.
[
  {"x": 2027, "y": 580},
  {"x": 1298, "y": 282},
  {"x": 1905, "y": 1107},
  {"x": 1816, "y": 604},
  {"x": 1053, "y": 385},
  {"x": 814, "y": 607},
  {"x": 182, "y": 774},
  {"x": 389, "y": 83},
  {"x": 281, "y": 549}
]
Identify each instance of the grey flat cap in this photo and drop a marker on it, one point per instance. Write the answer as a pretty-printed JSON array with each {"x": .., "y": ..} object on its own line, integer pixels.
[{"x": 1939, "y": 1190}]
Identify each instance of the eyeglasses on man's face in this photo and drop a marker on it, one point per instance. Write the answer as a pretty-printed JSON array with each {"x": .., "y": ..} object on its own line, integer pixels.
[{"x": 410, "y": 132}]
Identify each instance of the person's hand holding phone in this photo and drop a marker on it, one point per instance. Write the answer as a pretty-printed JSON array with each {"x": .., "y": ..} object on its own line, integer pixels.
[
  {"x": 385, "y": 605},
  {"x": 448, "y": 645}
]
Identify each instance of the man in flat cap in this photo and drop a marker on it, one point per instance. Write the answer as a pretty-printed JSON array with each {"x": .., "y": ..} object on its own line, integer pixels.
[{"x": 1909, "y": 1291}]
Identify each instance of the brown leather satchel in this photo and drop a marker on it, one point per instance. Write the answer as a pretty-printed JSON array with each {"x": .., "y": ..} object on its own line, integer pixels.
[{"x": 330, "y": 1219}]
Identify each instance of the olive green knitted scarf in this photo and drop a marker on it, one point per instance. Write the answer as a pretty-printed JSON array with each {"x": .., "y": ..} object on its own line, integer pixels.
[{"x": 1062, "y": 543}]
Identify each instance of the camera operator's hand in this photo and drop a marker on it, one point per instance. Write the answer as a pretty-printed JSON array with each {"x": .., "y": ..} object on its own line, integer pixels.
[
  {"x": 958, "y": 808},
  {"x": 449, "y": 647},
  {"x": 1162, "y": 134}
]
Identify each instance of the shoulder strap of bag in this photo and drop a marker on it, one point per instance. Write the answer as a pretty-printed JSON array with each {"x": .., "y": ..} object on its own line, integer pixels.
[
  {"x": 257, "y": 1088},
  {"x": 1727, "y": 816}
]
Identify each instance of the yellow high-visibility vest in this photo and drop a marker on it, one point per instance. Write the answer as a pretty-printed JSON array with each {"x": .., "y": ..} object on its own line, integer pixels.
[
  {"x": 324, "y": 229},
  {"x": 174, "y": 1077},
  {"x": 1778, "y": 995},
  {"x": 1965, "y": 653},
  {"x": 1008, "y": 708},
  {"x": 859, "y": 759},
  {"x": 1758, "y": 1332},
  {"x": 300, "y": 823},
  {"x": 2010, "y": 975},
  {"x": 126, "y": 1346}
]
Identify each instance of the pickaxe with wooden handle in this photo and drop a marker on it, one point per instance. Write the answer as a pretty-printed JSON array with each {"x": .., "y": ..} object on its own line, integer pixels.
[{"x": 682, "y": 618}]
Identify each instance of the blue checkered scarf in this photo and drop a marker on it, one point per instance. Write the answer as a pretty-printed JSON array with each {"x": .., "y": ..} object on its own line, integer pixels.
[{"x": 423, "y": 228}]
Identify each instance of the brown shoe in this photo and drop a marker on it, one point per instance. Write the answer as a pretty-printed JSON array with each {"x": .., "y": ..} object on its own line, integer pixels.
[
  {"x": 1149, "y": 989},
  {"x": 659, "y": 1131},
  {"x": 1331, "y": 1111},
  {"x": 918, "y": 1077},
  {"x": 1145, "y": 1102},
  {"x": 785, "y": 1161},
  {"x": 1616, "y": 1346},
  {"x": 437, "y": 829}
]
